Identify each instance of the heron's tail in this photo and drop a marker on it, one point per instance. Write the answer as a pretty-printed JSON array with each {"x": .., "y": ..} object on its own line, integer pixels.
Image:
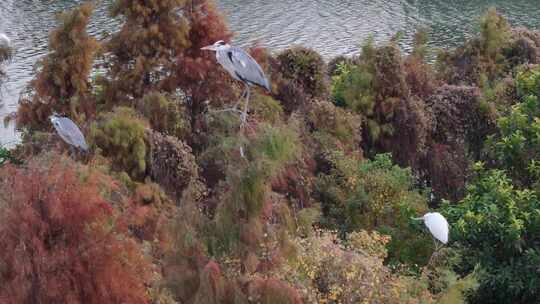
[{"x": 267, "y": 85}]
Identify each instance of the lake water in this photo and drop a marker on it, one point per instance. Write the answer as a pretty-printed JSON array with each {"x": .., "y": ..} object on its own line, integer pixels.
[{"x": 332, "y": 27}]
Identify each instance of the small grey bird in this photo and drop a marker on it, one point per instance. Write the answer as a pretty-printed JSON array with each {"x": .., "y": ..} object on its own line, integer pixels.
[
  {"x": 69, "y": 132},
  {"x": 242, "y": 67}
]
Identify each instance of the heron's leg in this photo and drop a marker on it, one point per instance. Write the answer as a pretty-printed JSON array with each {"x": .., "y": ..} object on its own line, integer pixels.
[
  {"x": 243, "y": 95},
  {"x": 246, "y": 104}
]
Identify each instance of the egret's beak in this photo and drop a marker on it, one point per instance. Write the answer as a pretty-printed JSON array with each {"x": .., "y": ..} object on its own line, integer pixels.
[
  {"x": 209, "y": 48},
  {"x": 417, "y": 218}
]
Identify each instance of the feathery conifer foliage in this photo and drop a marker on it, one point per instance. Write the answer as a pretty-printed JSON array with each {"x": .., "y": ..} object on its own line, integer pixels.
[
  {"x": 62, "y": 84},
  {"x": 196, "y": 72},
  {"x": 154, "y": 32},
  {"x": 62, "y": 240}
]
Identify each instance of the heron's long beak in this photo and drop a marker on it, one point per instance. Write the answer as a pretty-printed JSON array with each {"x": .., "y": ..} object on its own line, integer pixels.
[
  {"x": 417, "y": 218},
  {"x": 209, "y": 48}
]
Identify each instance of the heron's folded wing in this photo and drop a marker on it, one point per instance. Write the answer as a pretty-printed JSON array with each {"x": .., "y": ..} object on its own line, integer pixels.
[
  {"x": 73, "y": 133},
  {"x": 247, "y": 68}
]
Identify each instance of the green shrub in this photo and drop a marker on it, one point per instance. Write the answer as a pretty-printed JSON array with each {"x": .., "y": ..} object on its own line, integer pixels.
[
  {"x": 528, "y": 81},
  {"x": 120, "y": 135},
  {"x": 485, "y": 54},
  {"x": 6, "y": 156},
  {"x": 373, "y": 87},
  {"x": 334, "y": 127},
  {"x": 352, "y": 86},
  {"x": 374, "y": 195},
  {"x": 238, "y": 227},
  {"x": 165, "y": 114},
  {"x": 497, "y": 227},
  {"x": 517, "y": 147},
  {"x": 267, "y": 108}
]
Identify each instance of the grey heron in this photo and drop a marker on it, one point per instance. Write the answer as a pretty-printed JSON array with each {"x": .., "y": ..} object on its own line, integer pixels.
[
  {"x": 437, "y": 225},
  {"x": 242, "y": 67},
  {"x": 69, "y": 131}
]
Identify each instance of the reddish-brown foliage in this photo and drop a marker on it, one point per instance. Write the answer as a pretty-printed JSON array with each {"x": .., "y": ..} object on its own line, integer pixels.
[
  {"x": 300, "y": 75},
  {"x": 59, "y": 240},
  {"x": 197, "y": 73},
  {"x": 413, "y": 124},
  {"x": 171, "y": 164},
  {"x": 61, "y": 84},
  {"x": 459, "y": 129},
  {"x": 296, "y": 181},
  {"x": 447, "y": 168},
  {"x": 270, "y": 291},
  {"x": 142, "y": 51}
]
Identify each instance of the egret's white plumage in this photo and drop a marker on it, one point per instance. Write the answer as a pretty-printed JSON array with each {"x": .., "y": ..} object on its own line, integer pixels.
[
  {"x": 4, "y": 40},
  {"x": 69, "y": 132},
  {"x": 437, "y": 225}
]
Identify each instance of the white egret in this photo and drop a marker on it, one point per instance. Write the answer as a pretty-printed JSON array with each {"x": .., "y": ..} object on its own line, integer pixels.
[{"x": 437, "y": 225}]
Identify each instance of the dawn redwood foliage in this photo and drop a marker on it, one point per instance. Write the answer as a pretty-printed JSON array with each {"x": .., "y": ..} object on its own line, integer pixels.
[
  {"x": 61, "y": 239},
  {"x": 196, "y": 71},
  {"x": 61, "y": 84},
  {"x": 142, "y": 52}
]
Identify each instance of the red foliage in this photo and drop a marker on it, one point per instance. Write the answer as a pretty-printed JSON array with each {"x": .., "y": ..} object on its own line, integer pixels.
[
  {"x": 142, "y": 51},
  {"x": 296, "y": 181},
  {"x": 59, "y": 241},
  {"x": 447, "y": 168},
  {"x": 61, "y": 84},
  {"x": 198, "y": 73}
]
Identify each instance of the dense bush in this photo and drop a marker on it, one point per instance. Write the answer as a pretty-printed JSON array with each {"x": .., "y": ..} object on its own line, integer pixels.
[
  {"x": 165, "y": 114},
  {"x": 497, "y": 226},
  {"x": 62, "y": 240},
  {"x": 305, "y": 69},
  {"x": 528, "y": 81},
  {"x": 374, "y": 195},
  {"x": 120, "y": 135},
  {"x": 238, "y": 226},
  {"x": 329, "y": 270},
  {"x": 142, "y": 51},
  {"x": 518, "y": 147},
  {"x": 333, "y": 127},
  {"x": 171, "y": 164}
]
